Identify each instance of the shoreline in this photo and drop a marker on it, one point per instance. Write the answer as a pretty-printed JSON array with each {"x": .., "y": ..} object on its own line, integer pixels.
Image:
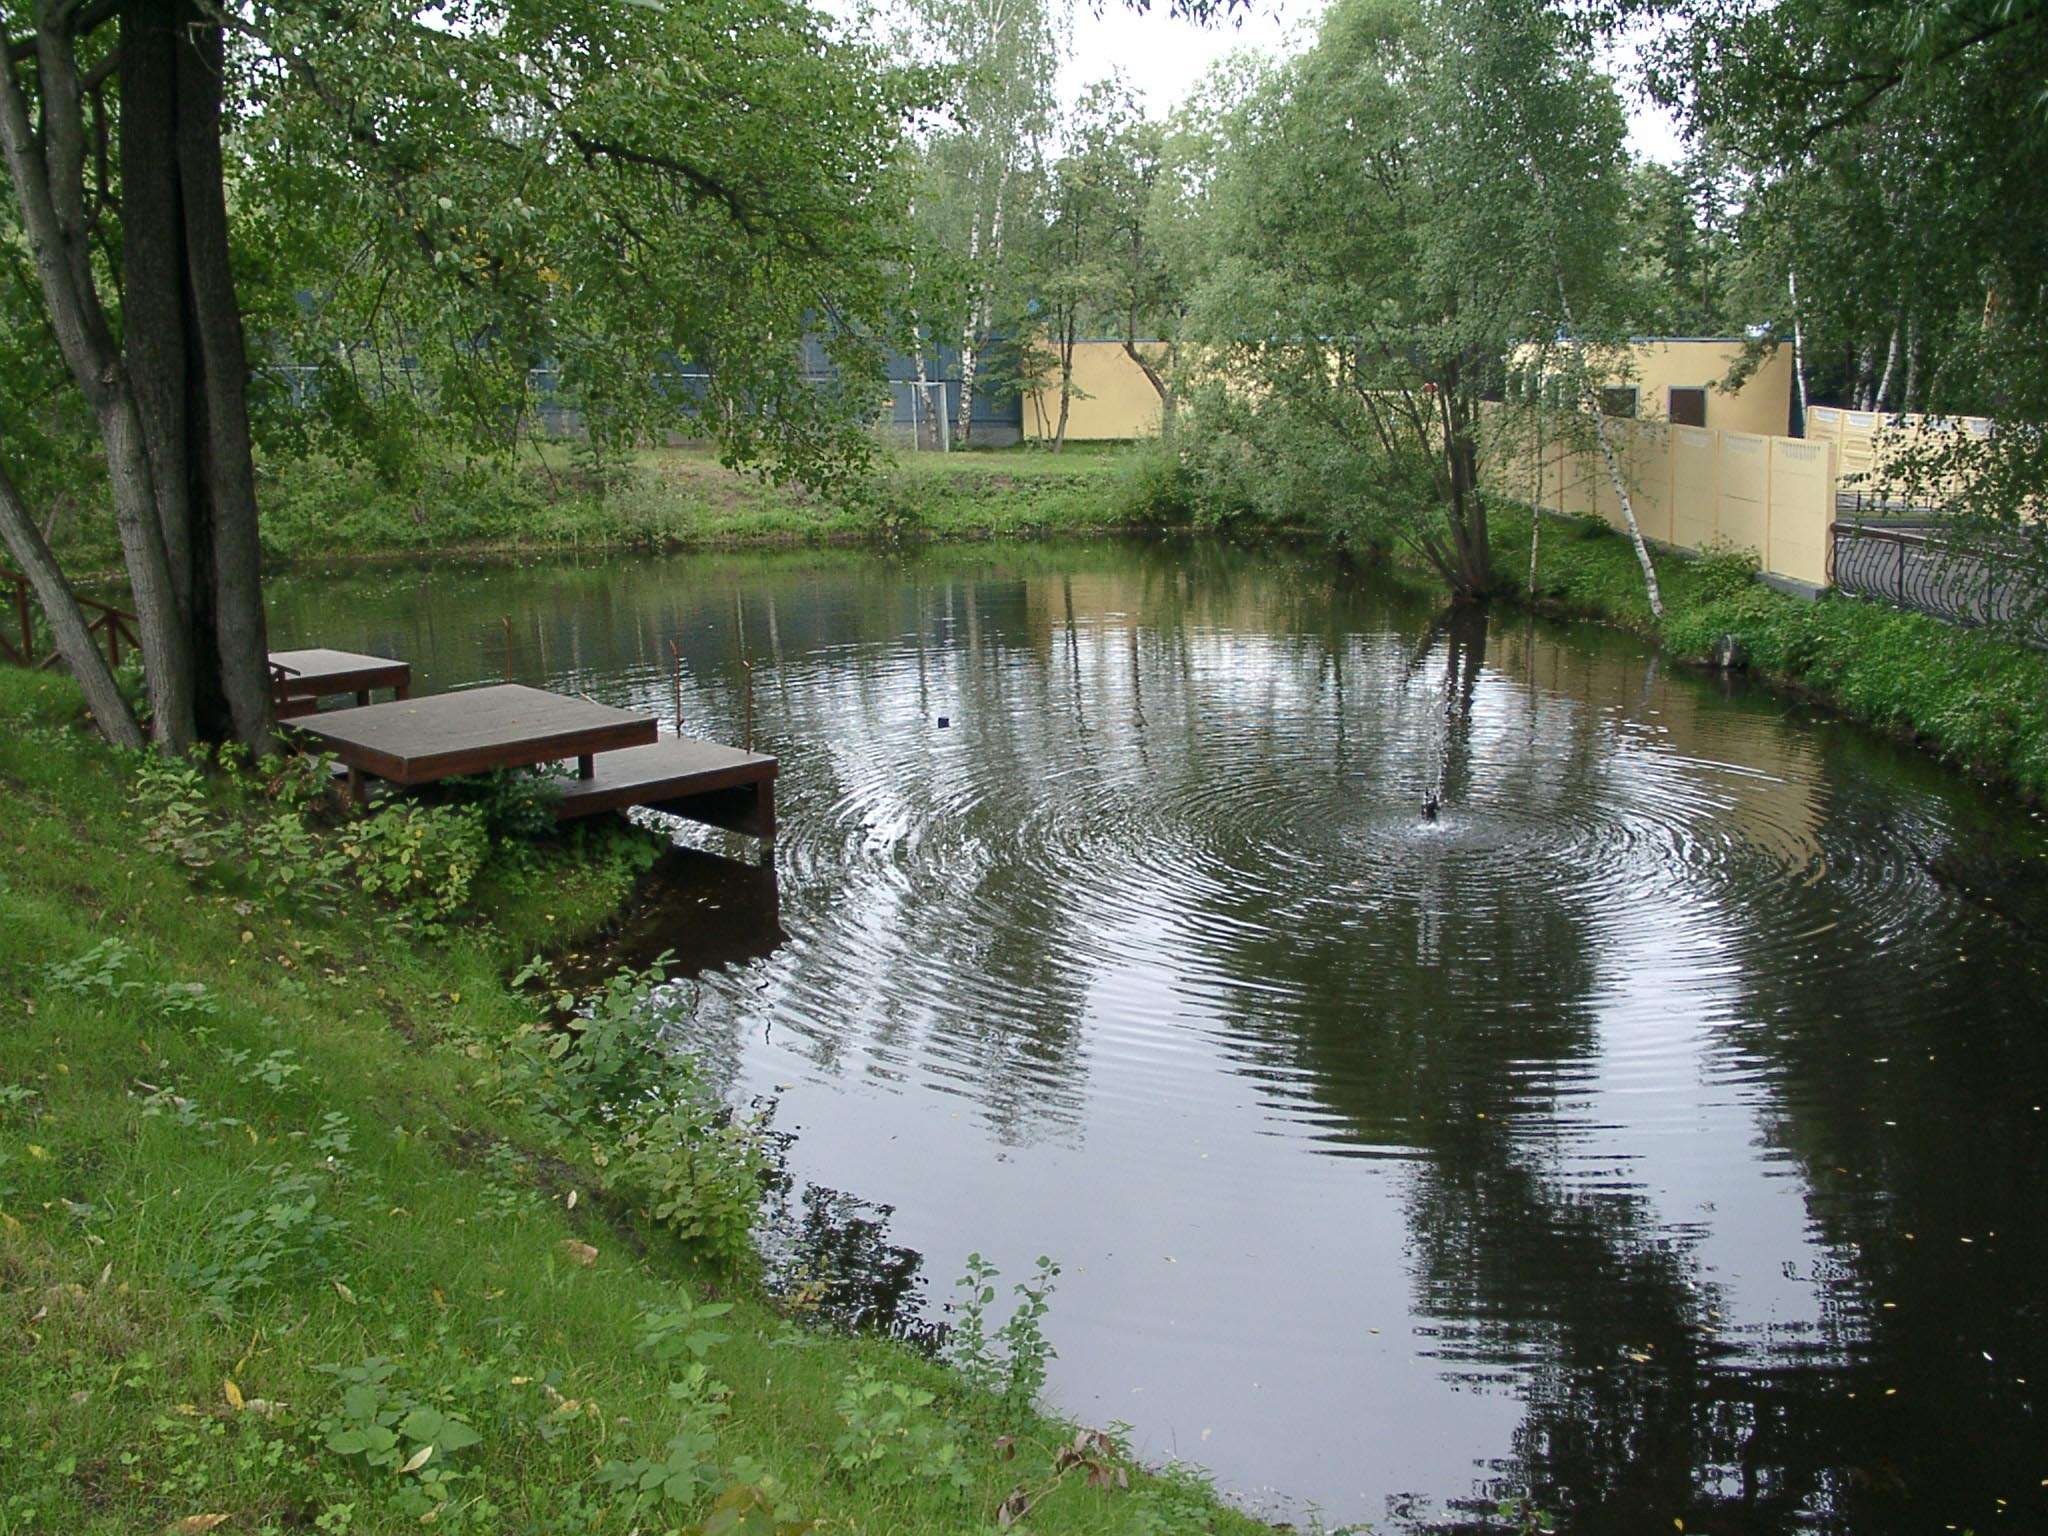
[{"x": 280, "y": 1172}]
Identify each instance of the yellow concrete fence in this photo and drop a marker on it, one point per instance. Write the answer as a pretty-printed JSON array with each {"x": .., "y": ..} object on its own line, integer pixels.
[
  {"x": 1697, "y": 488},
  {"x": 1863, "y": 437}
]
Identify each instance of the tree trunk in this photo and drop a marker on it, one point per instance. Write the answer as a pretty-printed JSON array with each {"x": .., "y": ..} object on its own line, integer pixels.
[
  {"x": 969, "y": 336},
  {"x": 1472, "y": 558},
  {"x": 232, "y": 653},
  {"x": 1591, "y": 403},
  {"x": 67, "y": 624},
  {"x": 1160, "y": 385},
  {"x": 1910, "y": 401},
  {"x": 1866, "y": 367},
  {"x": 1884, "y": 381},
  {"x": 171, "y": 403},
  {"x": 1059, "y": 436},
  {"x": 47, "y": 168},
  {"x": 1798, "y": 347}
]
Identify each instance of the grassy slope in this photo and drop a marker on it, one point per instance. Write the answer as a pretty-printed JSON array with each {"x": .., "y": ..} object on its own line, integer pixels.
[
  {"x": 672, "y": 498},
  {"x": 1978, "y": 701},
  {"x": 115, "y": 1413}
]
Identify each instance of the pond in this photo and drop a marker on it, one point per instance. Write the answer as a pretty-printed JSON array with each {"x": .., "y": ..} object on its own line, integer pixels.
[{"x": 1658, "y": 1129}]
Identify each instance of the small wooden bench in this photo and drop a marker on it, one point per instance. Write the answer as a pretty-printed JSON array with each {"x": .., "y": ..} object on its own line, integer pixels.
[
  {"x": 722, "y": 786},
  {"x": 299, "y": 680}
]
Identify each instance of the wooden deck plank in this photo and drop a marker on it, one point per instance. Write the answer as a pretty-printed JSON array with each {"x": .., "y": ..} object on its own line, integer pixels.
[
  {"x": 416, "y": 741},
  {"x": 318, "y": 672},
  {"x": 299, "y": 680},
  {"x": 726, "y": 786}
]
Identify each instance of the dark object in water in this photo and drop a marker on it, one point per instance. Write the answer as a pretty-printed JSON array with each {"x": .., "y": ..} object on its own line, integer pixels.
[
  {"x": 1730, "y": 654},
  {"x": 1430, "y": 806},
  {"x": 944, "y": 721}
]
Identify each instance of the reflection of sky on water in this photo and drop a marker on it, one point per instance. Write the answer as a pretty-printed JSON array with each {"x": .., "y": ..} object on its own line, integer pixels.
[{"x": 1394, "y": 1165}]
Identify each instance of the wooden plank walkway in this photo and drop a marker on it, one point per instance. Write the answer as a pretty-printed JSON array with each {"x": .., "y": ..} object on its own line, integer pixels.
[
  {"x": 300, "y": 679},
  {"x": 417, "y": 741},
  {"x": 723, "y": 786}
]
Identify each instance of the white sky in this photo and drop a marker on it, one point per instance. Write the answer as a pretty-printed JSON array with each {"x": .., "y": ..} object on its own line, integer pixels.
[{"x": 1162, "y": 57}]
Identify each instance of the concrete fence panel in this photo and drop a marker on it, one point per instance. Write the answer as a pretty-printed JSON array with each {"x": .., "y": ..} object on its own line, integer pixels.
[
  {"x": 1647, "y": 467},
  {"x": 1695, "y": 486},
  {"x": 1745, "y": 520},
  {"x": 1802, "y": 509}
]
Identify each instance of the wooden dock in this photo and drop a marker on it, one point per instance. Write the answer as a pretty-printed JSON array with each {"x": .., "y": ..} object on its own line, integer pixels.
[
  {"x": 620, "y": 760},
  {"x": 299, "y": 680},
  {"x": 722, "y": 786}
]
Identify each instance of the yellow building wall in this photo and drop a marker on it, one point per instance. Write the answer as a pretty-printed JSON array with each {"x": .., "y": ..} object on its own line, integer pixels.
[
  {"x": 1763, "y": 405},
  {"x": 1112, "y": 397},
  {"x": 1654, "y": 366}
]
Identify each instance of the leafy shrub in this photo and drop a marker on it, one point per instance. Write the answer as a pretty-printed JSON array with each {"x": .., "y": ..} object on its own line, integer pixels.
[
  {"x": 1007, "y": 1362},
  {"x": 891, "y": 1438},
  {"x": 667, "y": 1144},
  {"x": 1154, "y": 488},
  {"x": 516, "y": 804},
  {"x": 696, "y": 1168},
  {"x": 422, "y": 857}
]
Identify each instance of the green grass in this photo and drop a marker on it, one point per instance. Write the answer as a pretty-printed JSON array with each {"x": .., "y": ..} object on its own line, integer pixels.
[
  {"x": 1974, "y": 698},
  {"x": 324, "y": 1105},
  {"x": 663, "y": 499}
]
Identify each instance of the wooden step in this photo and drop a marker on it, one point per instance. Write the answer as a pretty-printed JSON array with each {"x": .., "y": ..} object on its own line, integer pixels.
[{"x": 724, "y": 786}]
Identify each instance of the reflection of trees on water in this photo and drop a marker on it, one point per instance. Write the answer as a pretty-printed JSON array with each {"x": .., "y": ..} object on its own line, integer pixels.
[{"x": 1111, "y": 706}]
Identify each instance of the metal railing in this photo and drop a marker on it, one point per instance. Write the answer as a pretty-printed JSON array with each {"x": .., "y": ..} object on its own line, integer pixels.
[
  {"x": 1916, "y": 564},
  {"x": 114, "y": 626}
]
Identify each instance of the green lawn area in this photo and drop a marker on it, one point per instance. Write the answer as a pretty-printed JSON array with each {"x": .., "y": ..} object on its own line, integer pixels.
[
  {"x": 676, "y": 498},
  {"x": 294, "y": 1236}
]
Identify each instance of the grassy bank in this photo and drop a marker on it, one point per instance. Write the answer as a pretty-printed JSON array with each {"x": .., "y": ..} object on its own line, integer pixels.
[
  {"x": 1976, "y": 700},
  {"x": 682, "y": 498},
  {"x": 310, "y": 1222},
  {"x": 669, "y": 498}
]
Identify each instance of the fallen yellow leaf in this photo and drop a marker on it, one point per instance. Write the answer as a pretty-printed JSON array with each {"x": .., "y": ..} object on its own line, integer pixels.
[
  {"x": 416, "y": 1460},
  {"x": 232, "y": 1393},
  {"x": 194, "y": 1525},
  {"x": 581, "y": 1253}
]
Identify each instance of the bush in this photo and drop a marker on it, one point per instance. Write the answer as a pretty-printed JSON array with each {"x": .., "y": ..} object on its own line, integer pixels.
[
  {"x": 423, "y": 857},
  {"x": 1154, "y": 488}
]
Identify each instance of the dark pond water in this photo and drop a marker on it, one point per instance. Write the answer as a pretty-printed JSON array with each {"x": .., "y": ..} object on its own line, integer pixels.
[{"x": 1660, "y": 1129}]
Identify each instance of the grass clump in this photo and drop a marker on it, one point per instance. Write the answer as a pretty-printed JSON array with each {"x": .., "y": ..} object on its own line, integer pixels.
[{"x": 312, "y": 1221}]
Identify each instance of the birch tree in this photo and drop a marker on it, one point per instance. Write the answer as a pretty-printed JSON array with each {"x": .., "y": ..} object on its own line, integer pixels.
[{"x": 1001, "y": 58}]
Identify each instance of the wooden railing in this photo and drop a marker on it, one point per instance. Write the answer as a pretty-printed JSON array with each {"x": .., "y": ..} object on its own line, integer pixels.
[{"x": 116, "y": 627}]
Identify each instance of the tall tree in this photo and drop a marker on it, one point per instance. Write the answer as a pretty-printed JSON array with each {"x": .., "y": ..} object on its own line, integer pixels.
[
  {"x": 481, "y": 185},
  {"x": 1401, "y": 206},
  {"x": 1000, "y": 58}
]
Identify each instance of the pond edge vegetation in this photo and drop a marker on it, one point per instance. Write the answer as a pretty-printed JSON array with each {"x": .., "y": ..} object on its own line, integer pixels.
[{"x": 315, "y": 1216}]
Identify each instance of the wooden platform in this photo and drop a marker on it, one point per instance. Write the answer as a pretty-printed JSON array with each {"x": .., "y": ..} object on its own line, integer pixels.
[
  {"x": 724, "y": 786},
  {"x": 300, "y": 679},
  {"x": 417, "y": 741}
]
